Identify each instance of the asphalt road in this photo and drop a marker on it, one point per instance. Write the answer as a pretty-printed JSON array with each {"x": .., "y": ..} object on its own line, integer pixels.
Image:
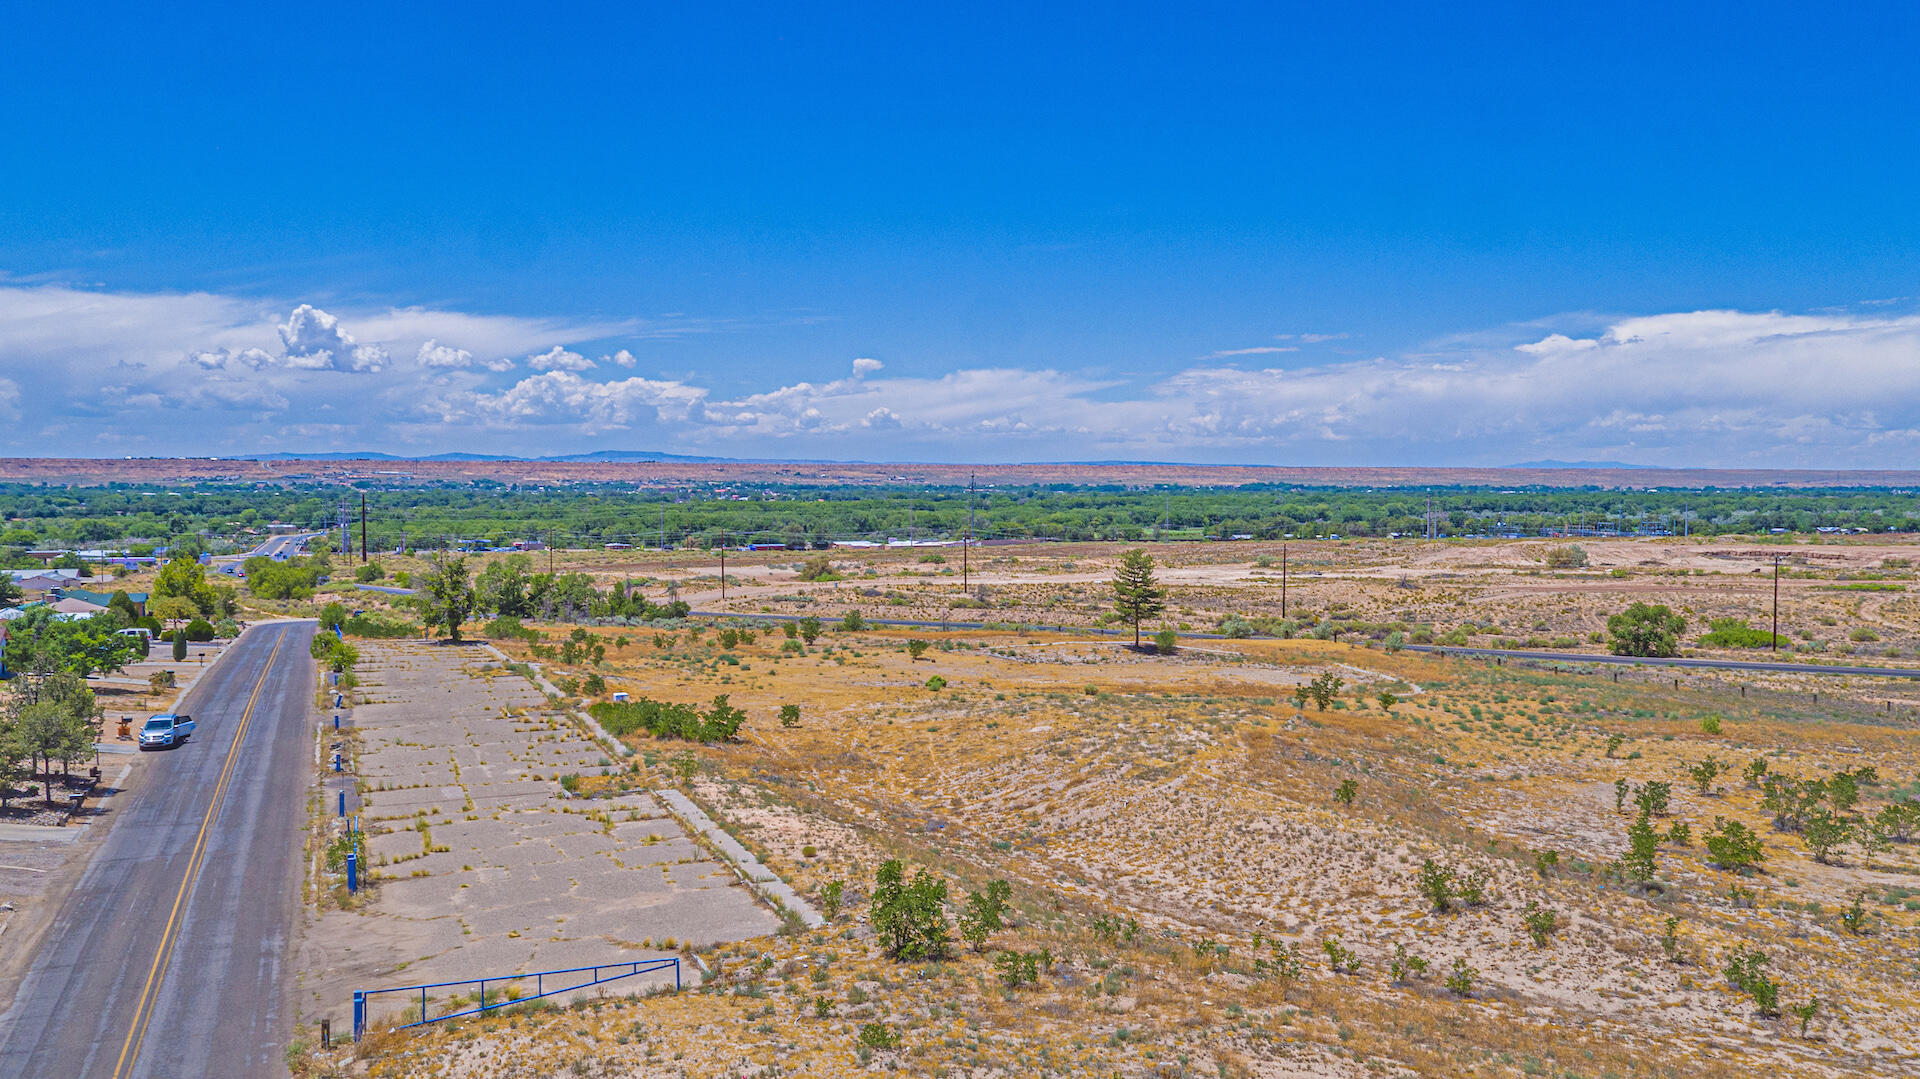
[
  {"x": 1450, "y": 650},
  {"x": 1678, "y": 661},
  {"x": 172, "y": 956}
]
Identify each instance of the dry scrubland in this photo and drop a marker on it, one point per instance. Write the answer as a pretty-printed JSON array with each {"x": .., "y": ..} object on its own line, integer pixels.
[{"x": 1192, "y": 796}]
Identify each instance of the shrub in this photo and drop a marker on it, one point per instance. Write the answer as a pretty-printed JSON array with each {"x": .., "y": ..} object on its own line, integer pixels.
[
  {"x": 1387, "y": 701},
  {"x": 1653, "y": 799},
  {"x": 1642, "y": 845},
  {"x": 916, "y": 649},
  {"x": 1323, "y": 689},
  {"x": 594, "y": 685},
  {"x": 1735, "y": 633},
  {"x": 1460, "y": 980},
  {"x": 1755, "y": 771},
  {"x": 1645, "y": 630},
  {"x": 226, "y": 629},
  {"x": 1824, "y": 833},
  {"x": 789, "y": 716},
  {"x": 831, "y": 896},
  {"x": 1165, "y": 641},
  {"x": 851, "y": 622},
  {"x": 1743, "y": 971},
  {"x": 936, "y": 683},
  {"x": 1345, "y": 791},
  {"x": 878, "y": 1036},
  {"x": 909, "y": 918},
  {"x": 818, "y": 568},
  {"x": 1545, "y": 861},
  {"x": 985, "y": 912},
  {"x": 1285, "y": 962},
  {"x": 1710, "y": 725},
  {"x": 1405, "y": 966},
  {"x": 1572, "y": 556},
  {"x": 199, "y": 631},
  {"x": 1435, "y": 881},
  {"x": 506, "y": 627},
  {"x": 1541, "y": 922},
  {"x": 1016, "y": 969},
  {"x": 720, "y": 722},
  {"x": 1704, "y": 774},
  {"x": 1805, "y": 1013},
  {"x": 1340, "y": 960},
  {"x": 1614, "y": 742}
]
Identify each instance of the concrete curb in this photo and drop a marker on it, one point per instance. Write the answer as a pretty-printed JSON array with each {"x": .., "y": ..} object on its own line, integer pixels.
[
  {"x": 757, "y": 877},
  {"x": 607, "y": 741}
]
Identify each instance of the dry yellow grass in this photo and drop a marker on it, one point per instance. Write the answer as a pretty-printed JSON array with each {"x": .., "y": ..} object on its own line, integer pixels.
[{"x": 1192, "y": 794}]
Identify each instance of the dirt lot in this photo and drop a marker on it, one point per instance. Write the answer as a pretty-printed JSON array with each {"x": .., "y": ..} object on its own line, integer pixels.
[{"x": 1163, "y": 821}]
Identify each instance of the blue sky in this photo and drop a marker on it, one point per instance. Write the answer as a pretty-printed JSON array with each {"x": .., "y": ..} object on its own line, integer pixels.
[{"x": 1218, "y": 233}]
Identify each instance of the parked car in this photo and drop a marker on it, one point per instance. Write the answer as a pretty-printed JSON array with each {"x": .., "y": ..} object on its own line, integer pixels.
[{"x": 165, "y": 731}]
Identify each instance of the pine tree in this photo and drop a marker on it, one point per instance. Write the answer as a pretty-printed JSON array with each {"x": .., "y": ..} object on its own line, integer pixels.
[{"x": 1136, "y": 595}]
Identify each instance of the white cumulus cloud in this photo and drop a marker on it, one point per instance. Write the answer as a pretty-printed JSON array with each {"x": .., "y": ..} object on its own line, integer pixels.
[
  {"x": 316, "y": 341},
  {"x": 559, "y": 359}
]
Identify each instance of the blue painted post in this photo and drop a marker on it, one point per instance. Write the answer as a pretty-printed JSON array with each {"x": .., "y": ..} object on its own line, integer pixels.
[
  {"x": 339, "y": 701},
  {"x": 676, "y": 975},
  {"x": 333, "y": 678},
  {"x": 336, "y": 721},
  {"x": 359, "y": 1012},
  {"x": 353, "y": 872},
  {"x": 343, "y": 803},
  {"x": 336, "y": 761}
]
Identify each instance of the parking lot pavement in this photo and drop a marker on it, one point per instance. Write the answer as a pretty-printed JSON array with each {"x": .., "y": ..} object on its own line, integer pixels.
[{"x": 486, "y": 867}]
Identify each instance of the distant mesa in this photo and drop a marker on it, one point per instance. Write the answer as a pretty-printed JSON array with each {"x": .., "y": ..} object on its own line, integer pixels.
[{"x": 1579, "y": 464}]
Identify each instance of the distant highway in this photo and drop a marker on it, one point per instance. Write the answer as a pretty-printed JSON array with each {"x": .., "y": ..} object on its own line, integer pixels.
[
  {"x": 1678, "y": 661},
  {"x": 1445, "y": 650},
  {"x": 173, "y": 955}
]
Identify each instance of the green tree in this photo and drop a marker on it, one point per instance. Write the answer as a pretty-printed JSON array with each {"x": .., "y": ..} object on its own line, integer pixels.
[
  {"x": 809, "y": 630},
  {"x": 187, "y": 579},
  {"x": 10, "y": 592},
  {"x": 909, "y": 918},
  {"x": 984, "y": 913},
  {"x": 174, "y": 609},
  {"x": 447, "y": 595},
  {"x": 1646, "y": 629},
  {"x": 1642, "y": 844},
  {"x": 1136, "y": 595}
]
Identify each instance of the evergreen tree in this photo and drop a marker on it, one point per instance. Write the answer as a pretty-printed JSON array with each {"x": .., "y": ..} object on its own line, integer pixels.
[{"x": 1136, "y": 595}]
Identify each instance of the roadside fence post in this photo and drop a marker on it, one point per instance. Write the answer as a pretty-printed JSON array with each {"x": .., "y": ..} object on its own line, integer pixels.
[
  {"x": 326, "y": 1033},
  {"x": 343, "y": 802},
  {"x": 353, "y": 872},
  {"x": 359, "y": 1013}
]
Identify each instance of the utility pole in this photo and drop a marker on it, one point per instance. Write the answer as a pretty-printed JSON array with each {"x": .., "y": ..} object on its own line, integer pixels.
[
  {"x": 363, "y": 528},
  {"x": 1283, "y": 580},
  {"x": 968, "y": 541},
  {"x": 1774, "y": 644}
]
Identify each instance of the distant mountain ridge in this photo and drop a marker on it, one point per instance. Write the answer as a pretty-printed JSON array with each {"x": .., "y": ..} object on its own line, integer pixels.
[
  {"x": 1579, "y": 464},
  {"x": 369, "y": 455}
]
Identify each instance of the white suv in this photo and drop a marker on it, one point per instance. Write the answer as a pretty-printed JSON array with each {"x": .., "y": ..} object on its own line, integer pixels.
[{"x": 166, "y": 731}]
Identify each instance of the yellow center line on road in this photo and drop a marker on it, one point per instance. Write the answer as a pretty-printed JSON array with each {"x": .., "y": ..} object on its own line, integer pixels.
[{"x": 130, "y": 1051}]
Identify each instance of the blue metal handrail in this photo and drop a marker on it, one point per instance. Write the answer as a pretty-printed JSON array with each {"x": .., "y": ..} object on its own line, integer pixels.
[{"x": 628, "y": 969}]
